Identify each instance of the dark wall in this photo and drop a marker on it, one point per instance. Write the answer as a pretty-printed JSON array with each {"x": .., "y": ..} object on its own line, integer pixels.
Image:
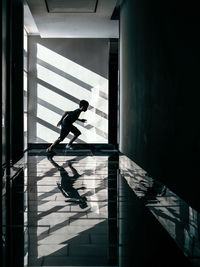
[
  {"x": 16, "y": 107},
  {"x": 113, "y": 93},
  {"x": 159, "y": 91}
]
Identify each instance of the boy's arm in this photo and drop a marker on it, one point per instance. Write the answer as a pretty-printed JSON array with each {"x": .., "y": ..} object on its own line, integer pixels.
[{"x": 60, "y": 121}]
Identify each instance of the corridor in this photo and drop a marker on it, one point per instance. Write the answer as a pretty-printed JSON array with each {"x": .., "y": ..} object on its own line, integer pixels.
[{"x": 127, "y": 194}]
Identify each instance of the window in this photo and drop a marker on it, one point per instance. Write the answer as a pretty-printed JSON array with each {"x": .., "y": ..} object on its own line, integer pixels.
[{"x": 25, "y": 88}]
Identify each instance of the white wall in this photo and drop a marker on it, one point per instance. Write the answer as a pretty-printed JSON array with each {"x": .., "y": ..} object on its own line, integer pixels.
[{"x": 61, "y": 73}]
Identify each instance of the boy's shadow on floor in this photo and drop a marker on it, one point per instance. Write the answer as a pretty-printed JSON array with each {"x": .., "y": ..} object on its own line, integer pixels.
[{"x": 66, "y": 186}]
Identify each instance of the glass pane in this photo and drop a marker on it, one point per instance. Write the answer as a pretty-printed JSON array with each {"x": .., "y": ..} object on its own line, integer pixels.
[
  {"x": 25, "y": 51},
  {"x": 25, "y": 92}
]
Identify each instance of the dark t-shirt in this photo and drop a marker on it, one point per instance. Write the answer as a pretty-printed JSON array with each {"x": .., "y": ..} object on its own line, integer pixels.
[{"x": 71, "y": 118}]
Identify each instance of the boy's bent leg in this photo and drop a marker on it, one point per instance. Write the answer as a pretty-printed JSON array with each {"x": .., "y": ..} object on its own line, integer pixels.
[
  {"x": 63, "y": 133},
  {"x": 76, "y": 133}
]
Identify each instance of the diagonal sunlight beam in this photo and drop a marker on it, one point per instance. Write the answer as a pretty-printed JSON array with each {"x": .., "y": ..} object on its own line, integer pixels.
[
  {"x": 71, "y": 78},
  {"x": 72, "y": 98},
  {"x": 52, "y": 97},
  {"x": 64, "y": 74},
  {"x": 73, "y": 89},
  {"x": 72, "y": 68},
  {"x": 48, "y": 116},
  {"x": 62, "y": 83}
]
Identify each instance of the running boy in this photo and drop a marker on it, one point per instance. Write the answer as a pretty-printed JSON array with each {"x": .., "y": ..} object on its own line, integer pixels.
[{"x": 66, "y": 122}]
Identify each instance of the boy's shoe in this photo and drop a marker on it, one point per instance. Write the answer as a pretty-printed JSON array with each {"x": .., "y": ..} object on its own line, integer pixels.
[{"x": 68, "y": 147}]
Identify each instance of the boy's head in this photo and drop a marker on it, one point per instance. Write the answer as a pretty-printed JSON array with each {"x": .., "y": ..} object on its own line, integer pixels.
[{"x": 84, "y": 105}]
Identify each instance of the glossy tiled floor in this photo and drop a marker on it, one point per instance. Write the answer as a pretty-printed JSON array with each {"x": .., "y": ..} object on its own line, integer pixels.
[
  {"x": 86, "y": 208},
  {"x": 67, "y": 211}
]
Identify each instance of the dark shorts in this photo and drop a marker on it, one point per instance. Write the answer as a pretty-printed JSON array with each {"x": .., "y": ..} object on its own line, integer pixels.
[{"x": 65, "y": 131}]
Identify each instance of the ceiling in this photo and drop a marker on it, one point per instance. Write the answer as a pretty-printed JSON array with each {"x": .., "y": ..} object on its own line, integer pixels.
[{"x": 71, "y": 18}]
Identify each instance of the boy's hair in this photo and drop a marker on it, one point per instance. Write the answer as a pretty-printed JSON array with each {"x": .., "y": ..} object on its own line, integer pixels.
[{"x": 84, "y": 103}]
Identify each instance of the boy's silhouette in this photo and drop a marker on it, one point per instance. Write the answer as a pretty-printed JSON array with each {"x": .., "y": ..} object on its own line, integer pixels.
[{"x": 66, "y": 122}]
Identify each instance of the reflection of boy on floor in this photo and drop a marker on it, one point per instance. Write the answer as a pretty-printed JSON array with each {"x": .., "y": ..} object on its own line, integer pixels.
[
  {"x": 66, "y": 122},
  {"x": 67, "y": 184}
]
